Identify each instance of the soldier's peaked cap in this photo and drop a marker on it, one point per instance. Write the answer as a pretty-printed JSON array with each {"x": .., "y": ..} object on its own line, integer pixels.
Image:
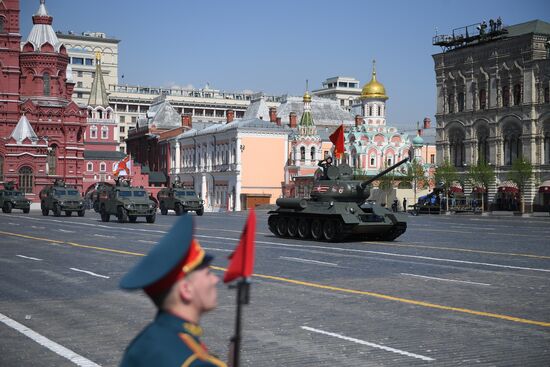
[{"x": 176, "y": 255}]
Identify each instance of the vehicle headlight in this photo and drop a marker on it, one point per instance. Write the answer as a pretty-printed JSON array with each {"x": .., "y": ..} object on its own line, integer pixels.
[
  {"x": 129, "y": 206},
  {"x": 81, "y": 203},
  {"x": 151, "y": 206},
  {"x": 201, "y": 202},
  {"x": 61, "y": 203}
]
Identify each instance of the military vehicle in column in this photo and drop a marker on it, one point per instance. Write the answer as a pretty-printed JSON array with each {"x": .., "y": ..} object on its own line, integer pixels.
[
  {"x": 61, "y": 198},
  {"x": 179, "y": 199},
  {"x": 126, "y": 202},
  {"x": 10, "y": 198},
  {"x": 337, "y": 209}
]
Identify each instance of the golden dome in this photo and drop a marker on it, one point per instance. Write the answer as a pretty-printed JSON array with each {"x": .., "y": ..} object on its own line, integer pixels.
[
  {"x": 307, "y": 97},
  {"x": 374, "y": 89}
]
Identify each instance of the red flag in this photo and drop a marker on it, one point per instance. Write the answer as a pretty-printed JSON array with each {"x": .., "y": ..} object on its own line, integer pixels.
[
  {"x": 337, "y": 138},
  {"x": 242, "y": 259}
]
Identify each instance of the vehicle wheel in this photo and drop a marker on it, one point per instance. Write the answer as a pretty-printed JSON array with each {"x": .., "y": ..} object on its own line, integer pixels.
[
  {"x": 44, "y": 210},
  {"x": 272, "y": 224},
  {"x": 81, "y": 213},
  {"x": 122, "y": 215},
  {"x": 68, "y": 213},
  {"x": 105, "y": 217},
  {"x": 26, "y": 211},
  {"x": 316, "y": 230},
  {"x": 7, "y": 207},
  {"x": 56, "y": 210},
  {"x": 304, "y": 230},
  {"x": 200, "y": 212},
  {"x": 282, "y": 227},
  {"x": 132, "y": 218},
  {"x": 178, "y": 209},
  {"x": 163, "y": 209},
  {"x": 292, "y": 227},
  {"x": 332, "y": 230},
  {"x": 151, "y": 218}
]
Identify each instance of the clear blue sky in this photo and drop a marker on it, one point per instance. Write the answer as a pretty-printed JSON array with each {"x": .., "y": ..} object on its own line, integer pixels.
[{"x": 273, "y": 46}]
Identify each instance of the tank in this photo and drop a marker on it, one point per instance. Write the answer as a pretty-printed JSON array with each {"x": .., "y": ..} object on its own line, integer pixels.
[{"x": 337, "y": 209}]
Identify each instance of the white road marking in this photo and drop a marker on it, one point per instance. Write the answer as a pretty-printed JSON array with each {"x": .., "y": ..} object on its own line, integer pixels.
[
  {"x": 444, "y": 279},
  {"x": 103, "y": 235},
  {"x": 65, "y": 231},
  {"x": 38, "y": 227},
  {"x": 50, "y": 344},
  {"x": 145, "y": 241},
  {"x": 90, "y": 273},
  {"x": 28, "y": 257},
  {"x": 217, "y": 249},
  {"x": 362, "y": 342},
  {"x": 307, "y": 261}
]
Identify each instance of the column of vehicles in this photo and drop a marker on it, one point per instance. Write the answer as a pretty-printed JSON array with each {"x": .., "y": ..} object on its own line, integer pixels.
[{"x": 11, "y": 198}]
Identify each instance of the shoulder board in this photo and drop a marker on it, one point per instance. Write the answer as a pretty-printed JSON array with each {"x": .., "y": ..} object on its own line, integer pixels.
[{"x": 198, "y": 352}]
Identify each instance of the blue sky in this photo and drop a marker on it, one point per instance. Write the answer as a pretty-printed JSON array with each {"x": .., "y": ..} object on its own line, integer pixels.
[{"x": 273, "y": 46}]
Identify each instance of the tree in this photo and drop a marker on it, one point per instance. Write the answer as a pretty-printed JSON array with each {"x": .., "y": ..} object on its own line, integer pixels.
[
  {"x": 521, "y": 174},
  {"x": 415, "y": 175},
  {"x": 481, "y": 175},
  {"x": 445, "y": 175},
  {"x": 386, "y": 183}
]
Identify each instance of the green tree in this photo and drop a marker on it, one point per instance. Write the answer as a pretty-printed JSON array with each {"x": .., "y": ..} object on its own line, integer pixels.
[
  {"x": 521, "y": 173},
  {"x": 445, "y": 175},
  {"x": 481, "y": 175},
  {"x": 415, "y": 176},
  {"x": 386, "y": 184}
]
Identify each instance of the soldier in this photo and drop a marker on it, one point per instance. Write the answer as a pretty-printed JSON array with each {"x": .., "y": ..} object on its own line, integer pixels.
[{"x": 176, "y": 276}]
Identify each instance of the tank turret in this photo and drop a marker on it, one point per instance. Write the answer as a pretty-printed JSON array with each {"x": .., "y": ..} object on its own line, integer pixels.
[{"x": 337, "y": 208}]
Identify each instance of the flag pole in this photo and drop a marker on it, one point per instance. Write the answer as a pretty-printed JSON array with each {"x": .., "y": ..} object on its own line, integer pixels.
[{"x": 243, "y": 298}]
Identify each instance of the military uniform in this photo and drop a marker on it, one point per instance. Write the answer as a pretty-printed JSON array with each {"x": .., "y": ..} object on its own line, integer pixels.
[{"x": 169, "y": 341}]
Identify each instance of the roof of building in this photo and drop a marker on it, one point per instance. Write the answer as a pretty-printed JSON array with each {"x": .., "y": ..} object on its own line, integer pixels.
[
  {"x": 42, "y": 32},
  {"x": 161, "y": 115},
  {"x": 23, "y": 130},
  {"x": 257, "y": 109},
  {"x": 98, "y": 93},
  {"x": 325, "y": 112},
  {"x": 248, "y": 124},
  {"x": 536, "y": 26},
  {"x": 103, "y": 155}
]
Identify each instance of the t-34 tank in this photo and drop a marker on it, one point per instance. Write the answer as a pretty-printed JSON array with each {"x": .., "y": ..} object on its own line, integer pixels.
[{"x": 337, "y": 209}]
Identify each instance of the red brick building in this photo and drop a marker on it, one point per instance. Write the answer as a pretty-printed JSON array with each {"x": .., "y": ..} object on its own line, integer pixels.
[{"x": 41, "y": 128}]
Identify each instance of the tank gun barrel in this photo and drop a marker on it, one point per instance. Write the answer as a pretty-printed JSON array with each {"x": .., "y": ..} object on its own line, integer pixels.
[{"x": 384, "y": 172}]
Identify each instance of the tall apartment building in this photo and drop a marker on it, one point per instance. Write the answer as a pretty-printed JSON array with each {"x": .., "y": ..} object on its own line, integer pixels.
[
  {"x": 344, "y": 89},
  {"x": 493, "y": 105}
]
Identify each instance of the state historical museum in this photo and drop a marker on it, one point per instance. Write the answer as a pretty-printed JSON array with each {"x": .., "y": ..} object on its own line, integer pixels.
[{"x": 41, "y": 128}]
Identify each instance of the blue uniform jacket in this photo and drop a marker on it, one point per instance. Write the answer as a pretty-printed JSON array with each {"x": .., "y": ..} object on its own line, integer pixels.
[{"x": 169, "y": 341}]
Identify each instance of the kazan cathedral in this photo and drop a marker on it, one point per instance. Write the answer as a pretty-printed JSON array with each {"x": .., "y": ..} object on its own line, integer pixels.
[{"x": 371, "y": 146}]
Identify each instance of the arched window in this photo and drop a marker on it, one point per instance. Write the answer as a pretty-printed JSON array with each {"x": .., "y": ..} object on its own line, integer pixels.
[
  {"x": 102, "y": 167},
  {"x": 482, "y": 99},
  {"x": 547, "y": 145},
  {"x": 104, "y": 132},
  {"x": 52, "y": 160},
  {"x": 379, "y": 110},
  {"x": 93, "y": 132},
  {"x": 1, "y": 166},
  {"x": 46, "y": 78},
  {"x": 390, "y": 160},
  {"x": 312, "y": 153},
  {"x": 100, "y": 114},
  {"x": 547, "y": 95},
  {"x": 26, "y": 180},
  {"x": 482, "y": 145},
  {"x": 505, "y": 96},
  {"x": 460, "y": 102},
  {"x": 512, "y": 143},
  {"x": 456, "y": 147},
  {"x": 302, "y": 154},
  {"x": 451, "y": 103},
  {"x": 1, "y": 24},
  {"x": 372, "y": 160},
  {"x": 517, "y": 94},
  {"x": 90, "y": 167}
]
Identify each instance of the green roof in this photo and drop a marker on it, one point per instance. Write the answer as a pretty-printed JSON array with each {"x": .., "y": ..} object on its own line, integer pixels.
[
  {"x": 534, "y": 26},
  {"x": 307, "y": 119}
]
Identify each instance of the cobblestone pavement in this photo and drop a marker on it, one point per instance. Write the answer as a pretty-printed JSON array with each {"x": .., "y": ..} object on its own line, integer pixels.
[{"x": 452, "y": 291}]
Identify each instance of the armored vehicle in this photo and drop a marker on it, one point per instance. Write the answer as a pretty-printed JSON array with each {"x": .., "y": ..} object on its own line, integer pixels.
[
  {"x": 10, "y": 198},
  {"x": 126, "y": 202},
  {"x": 337, "y": 209},
  {"x": 180, "y": 200},
  {"x": 61, "y": 198}
]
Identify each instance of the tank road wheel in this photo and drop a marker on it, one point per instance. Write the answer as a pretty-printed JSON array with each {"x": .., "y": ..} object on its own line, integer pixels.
[
  {"x": 272, "y": 224},
  {"x": 44, "y": 209},
  {"x": 316, "y": 230},
  {"x": 122, "y": 215},
  {"x": 178, "y": 209},
  {"x": 292, "y": 225},
  {"x": 105, "y": 217},
  {"x": 68, "y": 213},
  {"x": 304, "y": 230},
  {"x": 282, "y": 227},
  {"x": 81, "y": 213},
  {"x": 151, "y": 218},
  {"x": 163, "y": 209},
  {"x": 132, "y": 218},
  {"x": 7, "y": 207},
  {"x": 332, "y": 230},
  {"x": 56, "y": 210}
]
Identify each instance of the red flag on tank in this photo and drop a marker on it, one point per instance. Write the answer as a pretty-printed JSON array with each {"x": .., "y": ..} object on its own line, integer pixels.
[
  {"x": 337, "y": 138},
  {"x": 242, "y": 259}
]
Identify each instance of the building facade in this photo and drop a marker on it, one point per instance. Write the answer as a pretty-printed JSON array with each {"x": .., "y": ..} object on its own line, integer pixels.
[
  {"x": 493, "y": 105},
  {"x": 343, "y": 89},
  {"x": 41, "y": 128}
]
